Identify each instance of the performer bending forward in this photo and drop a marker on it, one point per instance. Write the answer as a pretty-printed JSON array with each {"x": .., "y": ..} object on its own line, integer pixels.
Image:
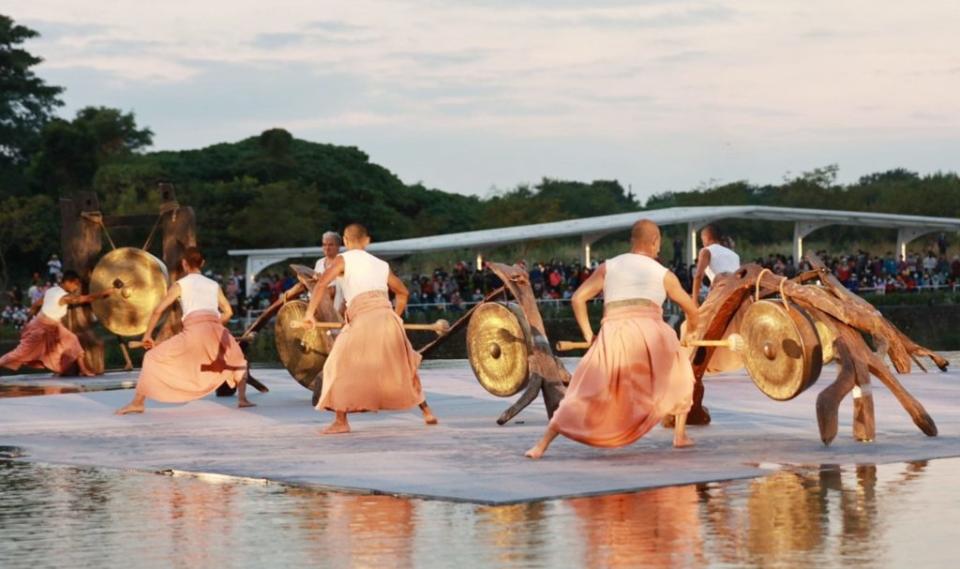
[
  {"x": 193, "y": 363},
  {"x": 45, "y": 342},
  {"x": 372, "y": 365},
  {"x": 634, "y": 372}
]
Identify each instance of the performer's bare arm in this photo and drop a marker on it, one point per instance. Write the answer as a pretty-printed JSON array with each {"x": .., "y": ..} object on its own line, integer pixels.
[
  {"x": 676, "y": 293},
  {"x": 173, "y": 293},
  {"x": 226, "y": 311},
  {"x": 400, "y": 291},
  {"x": 588, "y": 290},
  {"x": 703, "y": 261},
  {"x": 72, "y": 299},
  {"x": 333, "y": 271},
  {"x": 36, "y": 306}
]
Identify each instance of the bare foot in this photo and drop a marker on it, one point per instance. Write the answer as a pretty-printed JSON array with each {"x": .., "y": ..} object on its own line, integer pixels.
[
  {"x": 242, "y": 403},
  {"x": 429, "y": 418},
  {"x": 535, "y": 452},
  {"x": 129, "y": 409},
  {"x": 336, "y": 429},
  {"x": 683, "y": 442}
]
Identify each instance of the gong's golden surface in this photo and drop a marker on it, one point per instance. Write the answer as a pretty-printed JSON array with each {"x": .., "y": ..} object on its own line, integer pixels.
[
  {"x": 302, "y": 352},
  {"x": 498, "y": 343},
  {"x": 783, "y": 354},
  {"x": 141, "y": 283}
]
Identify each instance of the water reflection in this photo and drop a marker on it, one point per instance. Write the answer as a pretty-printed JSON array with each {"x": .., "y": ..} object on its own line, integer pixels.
[{"x": 865, "y": 516}]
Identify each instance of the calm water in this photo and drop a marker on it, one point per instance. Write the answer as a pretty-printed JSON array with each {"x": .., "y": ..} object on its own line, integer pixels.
[{"x": 899, "y": 515}]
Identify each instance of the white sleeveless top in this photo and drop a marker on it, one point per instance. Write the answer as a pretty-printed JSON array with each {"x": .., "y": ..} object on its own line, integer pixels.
[
  {"x": 631, "y": 276},
  {"x": 198, "y": 293},
  {"x": 337, "y": 283},
  {"x": 722, "y": 260},
  {"x": 51, "y": 307},
  {"x": 362, "y": 272}
]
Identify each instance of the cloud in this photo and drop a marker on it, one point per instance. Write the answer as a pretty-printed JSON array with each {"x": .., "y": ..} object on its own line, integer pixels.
[
  {"x": 54, "y": 31},
  {"x": 701, "y": 15},
  {"x": 333, "y": 26}
]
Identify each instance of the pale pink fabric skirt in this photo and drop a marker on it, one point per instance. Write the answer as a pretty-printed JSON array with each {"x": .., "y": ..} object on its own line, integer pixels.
[
  {"x": 634, "y": 374},
  {"x": 193, "y": 363},
  {"x": 44, "y": 343},
  {"x": 372, "y": 365}
]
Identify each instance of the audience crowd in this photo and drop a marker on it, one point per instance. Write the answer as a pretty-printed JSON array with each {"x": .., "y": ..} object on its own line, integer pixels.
[{"x": 454, "y": 288}]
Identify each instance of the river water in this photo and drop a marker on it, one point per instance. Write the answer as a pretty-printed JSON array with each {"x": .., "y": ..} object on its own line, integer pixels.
[{"x": 895, "y": 515}]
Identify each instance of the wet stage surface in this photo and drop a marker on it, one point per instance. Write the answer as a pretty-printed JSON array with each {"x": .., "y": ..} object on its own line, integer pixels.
[
  {"x": 252, "y": 488},
  {"x": 887, "y": 516},
  {"x": 467, "y": 457}
]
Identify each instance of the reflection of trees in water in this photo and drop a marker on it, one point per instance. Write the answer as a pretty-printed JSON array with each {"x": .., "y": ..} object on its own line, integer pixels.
[{"x": 37, "y": 501}]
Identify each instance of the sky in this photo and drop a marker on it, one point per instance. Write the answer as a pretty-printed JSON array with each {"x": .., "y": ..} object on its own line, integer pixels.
[{"x": 477, "y": 96}]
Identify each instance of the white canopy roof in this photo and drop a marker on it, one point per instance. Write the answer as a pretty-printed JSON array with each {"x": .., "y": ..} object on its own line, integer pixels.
[{"x": 592, "y": 228}]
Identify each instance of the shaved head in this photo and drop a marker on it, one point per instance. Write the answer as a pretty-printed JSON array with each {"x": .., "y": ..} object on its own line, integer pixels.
[
  {"x": 355, "y": 232},
  {"x": 644, "y": 233}
]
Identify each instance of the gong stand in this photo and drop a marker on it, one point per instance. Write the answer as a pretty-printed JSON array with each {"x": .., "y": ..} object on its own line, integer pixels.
[
  {"x": 83, "y": 227},
  {"x": 547, "y": 375},
  {"x": 842, "y": 319}
]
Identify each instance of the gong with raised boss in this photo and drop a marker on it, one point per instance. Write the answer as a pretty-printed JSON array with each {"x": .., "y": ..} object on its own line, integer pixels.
[
  {"x": 140, "y": 280},
  {"x": 498, "y": 345},
  {"x": 782, "y": 351}
]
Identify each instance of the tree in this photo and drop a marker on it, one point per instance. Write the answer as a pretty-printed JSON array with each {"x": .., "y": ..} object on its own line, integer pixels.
[
  {"x": 26, "y": 101},
  {"x": 28, "y": 228},
  {"x": 72, "y": 152}
]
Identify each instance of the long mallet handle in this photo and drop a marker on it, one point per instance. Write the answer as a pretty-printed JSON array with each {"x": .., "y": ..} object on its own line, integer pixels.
[
  {"x": 734, "y": 342},
  {"x": 563, "y": 346},
  {"x": 134, "y": 344},
  {"x": 440, "y": 326}
]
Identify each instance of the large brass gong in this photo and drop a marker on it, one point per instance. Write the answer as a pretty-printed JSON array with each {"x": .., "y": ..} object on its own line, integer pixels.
[
  {"x": 302, "y": 352},
  {"x": 498, "y": 343},
  {"x": 783, "y": 354},
  {"x": 141, "y": 283}
]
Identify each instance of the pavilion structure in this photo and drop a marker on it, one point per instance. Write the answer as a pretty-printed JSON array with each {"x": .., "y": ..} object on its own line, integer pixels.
[{"x": 590, "y": 229}]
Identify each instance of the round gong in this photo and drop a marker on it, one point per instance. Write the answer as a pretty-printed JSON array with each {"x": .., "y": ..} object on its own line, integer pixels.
[
  {"x": 783, "y": 354},
  {"x": 302, "y": 352},
  {"x": 140, "y": 280},
  {"x": 498, "y": 343}
]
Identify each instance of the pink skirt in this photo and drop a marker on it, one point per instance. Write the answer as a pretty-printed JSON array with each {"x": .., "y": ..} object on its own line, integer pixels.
[
  {"x": 193, "y": 363},
  {"x": 372, "y": 365},
  {"x": 634, "y": 374},
  {"x": 44, "y": 343}
]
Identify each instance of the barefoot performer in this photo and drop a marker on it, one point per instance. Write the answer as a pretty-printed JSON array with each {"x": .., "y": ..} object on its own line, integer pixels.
[
  {"x": 193, "y": 363},
  {"x": 634, "y": 372},
  {"x": 372, "y": 365},
  {"x": 718, "y": 263},
  {"x": 45, "y": 342}
]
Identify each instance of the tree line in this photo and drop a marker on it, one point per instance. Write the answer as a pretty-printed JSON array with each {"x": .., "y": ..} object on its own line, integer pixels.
[{"x": 273, "y": 190}]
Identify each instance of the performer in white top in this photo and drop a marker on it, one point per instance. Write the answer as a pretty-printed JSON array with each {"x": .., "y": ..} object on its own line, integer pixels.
[
  {"x": 193, "y": 363},
  {"x": 717, "y": 263},
  {"x": 714, "y": 259},
  {"x": 634, "y": 373},
  {"x": 372, "y": 365},
  {"x": 331, "y": 243},
  {"x": 45, "y": 342}
]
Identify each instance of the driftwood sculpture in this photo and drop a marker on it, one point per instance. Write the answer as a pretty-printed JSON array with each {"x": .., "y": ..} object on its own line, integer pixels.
[{"x": 842, "y": 320}]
